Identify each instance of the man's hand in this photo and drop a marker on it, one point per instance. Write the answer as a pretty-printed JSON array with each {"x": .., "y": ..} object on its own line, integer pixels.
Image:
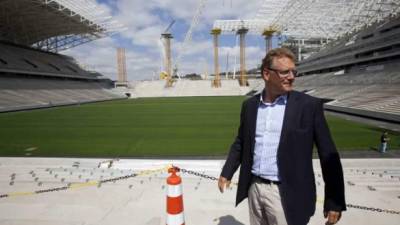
[
  {"x": 333, "y": 217},
  {"x": 222, "y": 183}
]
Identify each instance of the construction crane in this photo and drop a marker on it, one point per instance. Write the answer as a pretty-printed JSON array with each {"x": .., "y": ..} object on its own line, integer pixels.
[
  {"x": 169, "y": 26},
  {"x": 188, "y": 36}
]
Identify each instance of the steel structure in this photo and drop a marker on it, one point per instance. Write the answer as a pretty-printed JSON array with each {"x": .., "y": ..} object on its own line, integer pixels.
[
  {"x": 255, "y": 26},
  {"x": 217, "y": 79},
  {"x": 304, "y": 19},
  {"x": 54, "y": 25},
  {"x": 243, "y": 77}
]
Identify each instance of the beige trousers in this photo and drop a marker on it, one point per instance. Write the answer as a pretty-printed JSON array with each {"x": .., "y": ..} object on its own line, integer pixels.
[{"x": 265, "y": 204}]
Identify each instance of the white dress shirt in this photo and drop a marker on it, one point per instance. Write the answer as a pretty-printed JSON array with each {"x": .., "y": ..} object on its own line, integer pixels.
[{"x": 268, "y": 133}]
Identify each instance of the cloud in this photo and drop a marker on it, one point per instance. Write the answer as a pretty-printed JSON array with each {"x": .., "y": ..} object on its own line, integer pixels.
[
  {"x": 101, "y": 56},
  {"x": 146, "y": 20},
  {"x": 98, "y": 55},
  {"x": 147, "y": 36}
]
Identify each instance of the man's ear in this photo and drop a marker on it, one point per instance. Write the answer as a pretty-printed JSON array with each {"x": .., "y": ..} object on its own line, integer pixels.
[{"x": 265, "y": 75}]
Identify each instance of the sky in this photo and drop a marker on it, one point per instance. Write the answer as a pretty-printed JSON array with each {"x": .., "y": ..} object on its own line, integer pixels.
[{"x": 145, "y": 20}]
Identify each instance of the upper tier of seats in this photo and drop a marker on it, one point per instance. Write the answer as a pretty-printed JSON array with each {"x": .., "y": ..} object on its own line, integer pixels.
[
  {"x": 19, "y": 92},
  {"x": 23, "y": 60},
  {"x": 376, "y": 43},
  {"x": 369, "y": 93}
]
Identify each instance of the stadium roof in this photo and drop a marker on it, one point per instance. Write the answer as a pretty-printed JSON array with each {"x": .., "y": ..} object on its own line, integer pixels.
[
  {"x": 53, "y": 25},
  {"x": 313, "y": 18}
]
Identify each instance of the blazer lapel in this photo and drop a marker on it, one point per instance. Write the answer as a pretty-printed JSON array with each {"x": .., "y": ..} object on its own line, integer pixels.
[
  {"x": 253, "y": 109},
  {"x": 289, "y": 117}
]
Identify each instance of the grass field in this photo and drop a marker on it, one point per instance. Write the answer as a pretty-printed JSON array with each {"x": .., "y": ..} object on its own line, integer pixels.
[{"x": 191, "y": 126}]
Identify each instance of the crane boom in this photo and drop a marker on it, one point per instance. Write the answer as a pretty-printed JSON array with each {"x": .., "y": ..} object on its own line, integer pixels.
[
  {"x": 188, "y": 36},
  {"x": 169, "y": 26}
]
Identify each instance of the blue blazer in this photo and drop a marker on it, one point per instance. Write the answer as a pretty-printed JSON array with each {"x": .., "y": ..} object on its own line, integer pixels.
[{"x": 303, "y": 126}]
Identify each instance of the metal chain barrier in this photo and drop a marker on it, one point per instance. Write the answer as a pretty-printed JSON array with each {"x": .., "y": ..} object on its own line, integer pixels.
[
  {"x": 146, "y": 172},
  {"x": 194, "y": 173},
  {"x": 117, "y": 178},
  {"x": 69, "y": 186},
  {"x": 373, "y": 209},
  {"x": 79, "y": 185}
]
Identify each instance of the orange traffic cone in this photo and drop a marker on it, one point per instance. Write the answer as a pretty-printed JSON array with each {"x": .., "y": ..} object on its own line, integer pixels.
[{"x": 174, "y": 199}]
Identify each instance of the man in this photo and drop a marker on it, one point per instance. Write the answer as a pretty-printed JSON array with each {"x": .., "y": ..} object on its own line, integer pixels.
[
  {"x": 274, "y": 148},
  {"x": 384, "y": 140}
]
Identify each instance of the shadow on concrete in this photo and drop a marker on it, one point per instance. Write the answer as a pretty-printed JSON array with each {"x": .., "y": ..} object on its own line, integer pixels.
[{"x": 228, "y": 220}]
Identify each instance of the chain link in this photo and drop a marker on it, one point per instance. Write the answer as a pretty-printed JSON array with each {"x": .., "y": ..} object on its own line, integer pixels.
[
  {"x": 195, "y": 173},
  {"x": 373, "y": 209},
  {"x": 118, "y": 178}
]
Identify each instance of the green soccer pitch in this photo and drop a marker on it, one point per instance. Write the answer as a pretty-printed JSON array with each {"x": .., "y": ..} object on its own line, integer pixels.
[{"x": 184, "y": 126}]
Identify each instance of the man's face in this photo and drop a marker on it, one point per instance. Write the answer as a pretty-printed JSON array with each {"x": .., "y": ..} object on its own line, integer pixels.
[{"x": 274, "y": 77}]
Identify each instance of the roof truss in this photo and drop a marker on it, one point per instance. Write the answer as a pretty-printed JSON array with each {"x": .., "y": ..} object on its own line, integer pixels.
[{"x": 54, "y": 25}]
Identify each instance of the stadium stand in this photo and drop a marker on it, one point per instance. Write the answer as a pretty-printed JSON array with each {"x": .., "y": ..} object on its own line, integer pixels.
[
  {"x": 24, "y": 60},
  {"x": 358, "y": 74},
  {"x": 31, "y": 78},
  {"x": 32, "y": 74},
  {"x": 27, "y": 92},
  {"x": 376, "y": 43}
]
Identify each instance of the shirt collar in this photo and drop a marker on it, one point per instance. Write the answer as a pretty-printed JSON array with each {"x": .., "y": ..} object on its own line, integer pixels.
[{"x": 282, "y": 99}]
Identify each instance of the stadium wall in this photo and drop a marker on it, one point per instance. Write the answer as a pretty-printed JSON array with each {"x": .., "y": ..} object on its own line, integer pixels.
[{"x": 186, "y": 88}]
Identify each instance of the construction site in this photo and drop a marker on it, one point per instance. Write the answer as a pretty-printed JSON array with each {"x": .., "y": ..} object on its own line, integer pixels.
[{"x": 348, "y": 54}]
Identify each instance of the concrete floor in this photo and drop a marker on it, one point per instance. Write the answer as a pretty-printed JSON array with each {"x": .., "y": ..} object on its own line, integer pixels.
[{"x": 142, "y": 199}]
